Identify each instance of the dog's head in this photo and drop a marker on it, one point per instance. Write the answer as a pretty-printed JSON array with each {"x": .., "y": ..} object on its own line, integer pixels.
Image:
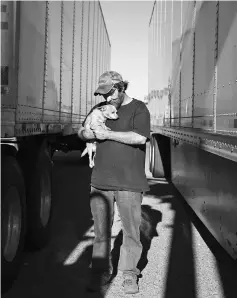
[{"x": 109, "y": 111}]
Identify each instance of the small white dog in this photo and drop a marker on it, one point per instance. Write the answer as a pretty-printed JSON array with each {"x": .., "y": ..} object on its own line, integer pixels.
[{"x": 97, "y": 118}]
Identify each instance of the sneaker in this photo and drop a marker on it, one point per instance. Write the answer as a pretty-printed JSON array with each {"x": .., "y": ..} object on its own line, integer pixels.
[
  {"x": 130, "y": 284},
  {"x": 98, "y": 280}
]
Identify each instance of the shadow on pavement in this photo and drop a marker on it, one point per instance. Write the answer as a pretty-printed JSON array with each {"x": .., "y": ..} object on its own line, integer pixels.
[
  {"x": 150, "y": 219},
  {"x": 181, "y": 278},
  {"x": 226, "y": 266}
]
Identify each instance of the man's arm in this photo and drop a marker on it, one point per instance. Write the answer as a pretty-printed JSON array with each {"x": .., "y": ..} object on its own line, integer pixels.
[{"x": 128, "y": 137}]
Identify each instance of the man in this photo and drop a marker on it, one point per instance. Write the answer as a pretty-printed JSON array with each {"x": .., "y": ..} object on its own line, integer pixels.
[{"x": 118, "y": 175}]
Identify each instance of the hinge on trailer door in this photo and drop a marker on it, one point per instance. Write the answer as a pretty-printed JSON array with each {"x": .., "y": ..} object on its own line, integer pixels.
[
  {"x": 61, "y": 60},
  {"x": 87, "y": 56},
  {"x": 194, "y": 56},
  {"x": 215, "y": 67},
  {"x": 82, "y": 24},
  {"x": 93, "y": 68},
  {"x": 46, "y": 49},
  {"x": 73, "y": 58}
]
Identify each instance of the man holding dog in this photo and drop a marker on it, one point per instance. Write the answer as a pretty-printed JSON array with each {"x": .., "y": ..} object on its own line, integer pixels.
[{"x": 118, "y": 176}]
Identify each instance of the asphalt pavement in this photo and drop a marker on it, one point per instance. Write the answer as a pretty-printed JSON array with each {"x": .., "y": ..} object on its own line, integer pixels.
[{"x": 180, "y": 259}]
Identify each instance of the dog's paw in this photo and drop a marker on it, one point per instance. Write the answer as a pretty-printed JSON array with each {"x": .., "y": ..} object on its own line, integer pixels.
[{"x": 92, "y": 164}]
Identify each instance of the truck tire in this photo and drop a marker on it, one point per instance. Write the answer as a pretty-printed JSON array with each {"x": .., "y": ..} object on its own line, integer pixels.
[
  {"x": 161, "y": 157},
  {"x": 40, "y": 201},
  {"x": 38, "y": 175},
  {"x": 13, "y": 220}
]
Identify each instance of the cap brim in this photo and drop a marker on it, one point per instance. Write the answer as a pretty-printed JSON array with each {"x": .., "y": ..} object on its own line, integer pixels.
[{"x": 103, "y": 89}]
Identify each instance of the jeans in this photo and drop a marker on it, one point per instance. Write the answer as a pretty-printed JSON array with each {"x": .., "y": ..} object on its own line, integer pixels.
[{"x": 102, "y": 208}]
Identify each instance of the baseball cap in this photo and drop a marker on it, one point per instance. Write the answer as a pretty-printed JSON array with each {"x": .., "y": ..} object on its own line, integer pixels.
[{"x": 107, "y": 81}]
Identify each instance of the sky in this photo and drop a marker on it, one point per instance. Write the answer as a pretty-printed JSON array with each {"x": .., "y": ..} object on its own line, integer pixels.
[{"x": 127, "y": 24}]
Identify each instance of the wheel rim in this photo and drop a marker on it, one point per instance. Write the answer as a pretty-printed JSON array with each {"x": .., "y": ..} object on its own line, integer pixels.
[
  {"x": 11, "y": 223},
  {"x": 45, "y": 205}
]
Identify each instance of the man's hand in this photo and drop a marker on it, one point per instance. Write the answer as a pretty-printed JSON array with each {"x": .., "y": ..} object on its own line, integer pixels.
[{"x": 101, "y": 134}]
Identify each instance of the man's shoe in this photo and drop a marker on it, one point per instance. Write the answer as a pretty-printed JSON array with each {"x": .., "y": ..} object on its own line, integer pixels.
[
  {"x": 98, "y": 280},
  {"x": 130, "y": 284}
]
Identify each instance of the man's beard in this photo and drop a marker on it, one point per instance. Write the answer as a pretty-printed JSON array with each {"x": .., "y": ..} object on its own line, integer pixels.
[{"x": 118, "y": 101}]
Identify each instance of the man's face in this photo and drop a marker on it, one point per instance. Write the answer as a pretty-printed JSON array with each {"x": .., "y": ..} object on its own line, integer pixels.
[{"x": 114, "y": 97}]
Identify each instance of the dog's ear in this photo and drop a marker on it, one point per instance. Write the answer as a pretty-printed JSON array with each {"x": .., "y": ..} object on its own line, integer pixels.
[{"x": 102, "y": 108}]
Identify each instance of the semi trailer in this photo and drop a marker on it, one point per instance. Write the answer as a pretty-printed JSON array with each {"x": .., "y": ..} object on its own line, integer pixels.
[
  {"x": 52, "y": 53},
  {"x": 193, "y": 104}
]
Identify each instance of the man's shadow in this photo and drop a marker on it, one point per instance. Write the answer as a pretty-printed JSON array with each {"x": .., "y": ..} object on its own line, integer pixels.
[{"x": 150, "y": 219}]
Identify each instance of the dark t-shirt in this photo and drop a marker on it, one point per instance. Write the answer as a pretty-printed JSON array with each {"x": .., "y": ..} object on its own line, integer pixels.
[{"x": 120, "y": 166}]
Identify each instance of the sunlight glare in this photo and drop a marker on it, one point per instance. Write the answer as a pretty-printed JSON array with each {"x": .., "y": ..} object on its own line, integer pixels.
[{"x": 80, "y": 248}]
